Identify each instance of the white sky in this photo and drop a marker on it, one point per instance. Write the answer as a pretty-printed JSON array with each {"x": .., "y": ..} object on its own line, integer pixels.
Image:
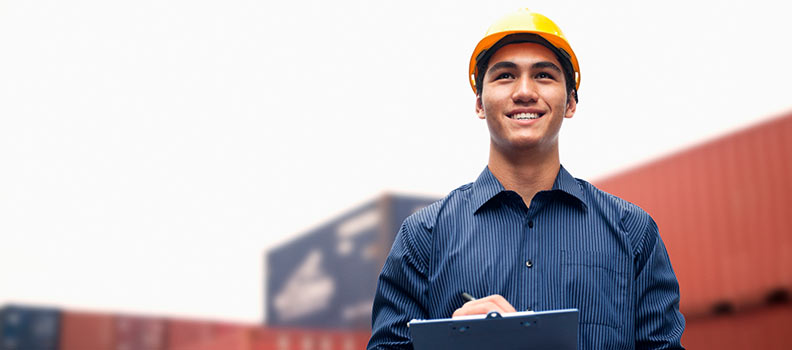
[{"x": 150, "y": 151}]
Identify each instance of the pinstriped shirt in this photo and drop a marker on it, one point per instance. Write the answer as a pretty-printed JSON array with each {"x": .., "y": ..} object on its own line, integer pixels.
[{"x": 574, "y": 247}]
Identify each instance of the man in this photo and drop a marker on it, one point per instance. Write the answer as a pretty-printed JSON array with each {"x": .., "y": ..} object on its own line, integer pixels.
[{"x": 526, "y": 235}]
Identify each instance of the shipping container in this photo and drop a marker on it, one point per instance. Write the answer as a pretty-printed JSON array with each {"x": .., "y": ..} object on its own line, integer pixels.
[
  {"x": 327, "y": 277},
  {"x": 266, "y": 338},
  {"x": 238, "y": 338},
  {"x": 31, "y": 328},
  {"x": 768, "y": 328},
  {"x": 184, "y": 334},
  {"x": 87, "y": 331},
  {"x": 23, "y": 328},
  {"x": 724, "y": 211},
  {"x": 106, "y": 331},
  {"x": 139, "y": 333}
]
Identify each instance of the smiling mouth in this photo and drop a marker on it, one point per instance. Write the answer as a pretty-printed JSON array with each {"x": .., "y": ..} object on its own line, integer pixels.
[{"x": 525, "y": 116}]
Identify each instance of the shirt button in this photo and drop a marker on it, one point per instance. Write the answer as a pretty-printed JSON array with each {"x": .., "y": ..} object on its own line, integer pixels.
[
  {"x": 529, "y": 263},
  {"x": 530, "y": 224}
]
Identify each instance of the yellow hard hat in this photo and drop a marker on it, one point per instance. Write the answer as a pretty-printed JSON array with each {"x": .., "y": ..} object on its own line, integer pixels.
[{"x": 523, "y": 21}]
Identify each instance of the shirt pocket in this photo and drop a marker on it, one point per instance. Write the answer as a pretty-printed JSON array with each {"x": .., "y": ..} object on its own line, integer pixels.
[{"x": 596, "y": 284}]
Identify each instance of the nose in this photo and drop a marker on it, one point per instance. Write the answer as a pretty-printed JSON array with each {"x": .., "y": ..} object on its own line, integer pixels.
[{"x": 525, "y": 90}]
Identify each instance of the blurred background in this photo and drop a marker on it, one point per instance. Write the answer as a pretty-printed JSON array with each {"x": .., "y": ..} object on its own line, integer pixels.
[{"x": 228, "y": 174}]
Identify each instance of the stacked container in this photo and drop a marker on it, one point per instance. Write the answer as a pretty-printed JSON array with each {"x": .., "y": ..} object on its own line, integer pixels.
[
  {"x": 30, "y": 328},
  {"x": 140, "y": 333},
  {"x": 723, "y": 209},
  {"x": 88, "y": 331},
  {"x": 724, "y": 212},
  {"x": 187, "y": 334},
  {"x": 765, "y": 328},
  {"x": 307, "y": 339},
  {"x": 327, "y": 277},
  {"x": 24, "y": 328}
]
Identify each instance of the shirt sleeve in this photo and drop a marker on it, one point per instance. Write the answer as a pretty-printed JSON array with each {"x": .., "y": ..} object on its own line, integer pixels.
[
  {"x": 658, "y": 322},
  {"x": 401, "y": 287}
]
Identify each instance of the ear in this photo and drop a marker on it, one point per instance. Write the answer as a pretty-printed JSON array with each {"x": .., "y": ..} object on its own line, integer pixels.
[
  {"x": 571, "y": 106},
  {"x": 480, "y": 108}
]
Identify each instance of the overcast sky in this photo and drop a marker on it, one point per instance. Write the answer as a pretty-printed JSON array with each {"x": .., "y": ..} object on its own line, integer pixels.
[{"x": 151, "y": 151}]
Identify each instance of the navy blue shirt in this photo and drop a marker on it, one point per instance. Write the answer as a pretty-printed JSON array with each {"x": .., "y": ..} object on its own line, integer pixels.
[{"x": 576, "y": 247}]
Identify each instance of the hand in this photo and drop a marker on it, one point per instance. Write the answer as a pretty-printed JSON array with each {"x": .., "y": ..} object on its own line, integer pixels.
[{"x": 484, "y": 305}]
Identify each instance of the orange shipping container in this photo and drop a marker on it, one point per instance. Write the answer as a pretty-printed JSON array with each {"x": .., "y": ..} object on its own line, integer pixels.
[
  {"x": 87, "y": 331},
  {"x": 724, "y": 209}
]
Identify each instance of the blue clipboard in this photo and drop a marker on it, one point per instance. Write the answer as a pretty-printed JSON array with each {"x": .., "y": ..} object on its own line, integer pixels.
[{"x": 556, "y": 330}]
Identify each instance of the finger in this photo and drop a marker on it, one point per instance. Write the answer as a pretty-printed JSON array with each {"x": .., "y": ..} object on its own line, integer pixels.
[
  {"x": 499, "y": 301},
  {"x": 502, "y": 303},
  {"x": 477, "y": 307}
]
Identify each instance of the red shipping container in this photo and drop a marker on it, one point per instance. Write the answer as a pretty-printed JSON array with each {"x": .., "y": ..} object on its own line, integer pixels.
[
  {"x": 280, "y": 339},
  {"x": 767, "y": 329},
  {"x": 354, "y": 340},
  {"x": 236, "y": 339},
  {"x": 299, "y": 339},
  {"x": 724, "y": 212},
  {"x": 184, "y": 333},
  {"x": 140, "y": 333},
  {"x": 266, "y": 339},
  {"x": 87, "y": 331}
]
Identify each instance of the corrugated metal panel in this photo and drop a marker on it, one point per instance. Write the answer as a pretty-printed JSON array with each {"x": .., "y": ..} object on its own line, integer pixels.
[
  {"x": 327, "y": 277},
  {"x": 140, "y": 333},
  {"x": 268, "y": 339},
  {"x": 29, "y": 328},
  {"x": 182, "y": 334},
  {"x": 305, "y": 339},
  {"x": 766, "y": 329},
  {"x": 724, "y": 211},
  {"x": 236, "y": 339},
  {"x": 311, "y": 280},
  {"x": 87, "y": 331}
]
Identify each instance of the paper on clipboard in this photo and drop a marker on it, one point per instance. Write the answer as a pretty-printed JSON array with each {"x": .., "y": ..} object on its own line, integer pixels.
[{"x": 554, "y": 329}]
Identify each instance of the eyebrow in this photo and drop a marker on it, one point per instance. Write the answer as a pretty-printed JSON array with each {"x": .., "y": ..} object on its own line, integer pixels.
[
  {"x": 512, "y": 65},
  {"x": 502, "y": 65},
  {"x": 546, "y": 64}
]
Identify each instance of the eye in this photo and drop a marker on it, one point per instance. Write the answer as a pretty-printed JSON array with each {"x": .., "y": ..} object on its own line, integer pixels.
[
  {"x": 544, "y": 75},
  {"x": 504, "y": 76}
]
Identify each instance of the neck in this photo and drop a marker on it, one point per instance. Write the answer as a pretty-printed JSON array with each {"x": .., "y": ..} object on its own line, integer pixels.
[{"x": 526, "y": 172}]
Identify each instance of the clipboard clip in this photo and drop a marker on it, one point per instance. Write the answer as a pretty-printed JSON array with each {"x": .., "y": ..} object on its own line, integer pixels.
[{"x": 494, "y": 314}]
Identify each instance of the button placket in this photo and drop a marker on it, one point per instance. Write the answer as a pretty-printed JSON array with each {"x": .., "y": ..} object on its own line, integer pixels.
[{"x": 532, "y": 277}]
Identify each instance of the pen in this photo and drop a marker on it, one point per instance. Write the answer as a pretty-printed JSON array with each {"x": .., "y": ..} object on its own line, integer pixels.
[{"x": 467, "y": 296}]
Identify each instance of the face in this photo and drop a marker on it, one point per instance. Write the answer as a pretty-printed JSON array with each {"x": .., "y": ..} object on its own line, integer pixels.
[{"x": 524, "y": 99}]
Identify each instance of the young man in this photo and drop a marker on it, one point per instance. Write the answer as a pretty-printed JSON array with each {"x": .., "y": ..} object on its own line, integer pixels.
[{"x": 526, "y": 235}]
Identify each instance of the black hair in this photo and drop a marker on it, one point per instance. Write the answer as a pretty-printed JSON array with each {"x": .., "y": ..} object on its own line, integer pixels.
[{"x": 482, "y": 61}]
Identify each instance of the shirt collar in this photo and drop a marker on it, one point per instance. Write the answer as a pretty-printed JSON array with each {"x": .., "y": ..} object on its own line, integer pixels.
[
  {"x": 487, "y": 187},
  {"x": 570, "y": 186}
]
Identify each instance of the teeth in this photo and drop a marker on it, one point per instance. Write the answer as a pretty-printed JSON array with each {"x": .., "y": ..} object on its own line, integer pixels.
[{"x": 525, "y": 116}]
